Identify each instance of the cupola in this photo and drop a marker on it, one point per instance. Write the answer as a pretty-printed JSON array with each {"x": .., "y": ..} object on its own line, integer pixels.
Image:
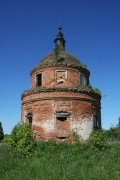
[{"x": 59, "y": 40}]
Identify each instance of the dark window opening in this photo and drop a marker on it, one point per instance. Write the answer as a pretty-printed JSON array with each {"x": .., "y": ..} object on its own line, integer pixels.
[
  {"x": 83, "y": 80},
  {"x": 39, "y": 79},
  {"x": 61, "y": 59},
  {"x": 61, "y": 138},
  {"x": 61, "y": 118},
  {"x": 95, "y": 122},
  {"x": 29, "y": 119}
]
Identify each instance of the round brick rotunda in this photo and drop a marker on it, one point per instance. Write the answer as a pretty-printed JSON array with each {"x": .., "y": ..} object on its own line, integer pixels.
[{"x": 61, "y": 102}]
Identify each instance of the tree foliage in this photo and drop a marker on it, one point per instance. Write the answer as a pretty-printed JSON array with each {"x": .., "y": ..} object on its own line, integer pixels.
[
  {"x": 113, "y": 134},
  {"x": 118, "y": 125},
  {"x": 1, "y": 132},
  {"x": 21, "y": 141}
]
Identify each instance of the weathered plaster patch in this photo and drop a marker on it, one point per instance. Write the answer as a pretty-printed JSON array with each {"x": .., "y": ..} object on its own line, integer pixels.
[
  {"x": 86, "y": 128},
  {"x": 83, "y": 127},
  {"x": 47, "y": 125}
]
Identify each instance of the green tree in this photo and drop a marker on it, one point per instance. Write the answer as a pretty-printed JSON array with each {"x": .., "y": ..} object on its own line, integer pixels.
[
  {"x": 118, "y": 125},
  {"x": 113, "y": 134},
  {"x": 1, "y": 132},
  {"x": 21, "y": 140}
]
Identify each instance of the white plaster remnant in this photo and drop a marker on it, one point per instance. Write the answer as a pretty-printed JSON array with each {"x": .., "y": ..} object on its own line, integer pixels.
[
  {"x": 47, "y": 125},
  {"x": 86, "y": 128},
  {"x": 83, "y": 127}
]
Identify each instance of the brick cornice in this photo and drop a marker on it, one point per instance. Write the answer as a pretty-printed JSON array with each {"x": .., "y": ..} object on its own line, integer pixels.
[
  {"x": 69, "y": 89},
  {"x": 61, "y": 98}
]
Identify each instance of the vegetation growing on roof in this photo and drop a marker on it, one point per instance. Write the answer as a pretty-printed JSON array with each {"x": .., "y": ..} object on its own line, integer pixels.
[
  {"x": 57, "y": 52},
  {"x": 97, "y": 91},
  {"x": 83, "y": 89},
  {"x": 89, "y": 88},
  {"x": 60, "y": 57}
]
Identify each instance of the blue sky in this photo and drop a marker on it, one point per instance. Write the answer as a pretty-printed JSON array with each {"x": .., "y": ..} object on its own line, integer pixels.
[{"x": 27, "y": 30}]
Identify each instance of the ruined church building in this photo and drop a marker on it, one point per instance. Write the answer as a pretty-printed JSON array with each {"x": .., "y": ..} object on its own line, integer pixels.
[{"x": 60, "y": 100}]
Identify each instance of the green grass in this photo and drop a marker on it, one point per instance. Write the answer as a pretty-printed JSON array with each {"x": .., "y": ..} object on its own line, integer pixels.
[{"x": 62, "y": 162}]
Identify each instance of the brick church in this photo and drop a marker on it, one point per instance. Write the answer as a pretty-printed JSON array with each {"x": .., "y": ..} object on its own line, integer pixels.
[{"x": 60, "y": 100}]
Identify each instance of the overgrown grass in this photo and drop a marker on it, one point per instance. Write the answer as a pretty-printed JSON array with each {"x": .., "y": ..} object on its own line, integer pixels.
[
  {"x": 21, "y": 158},
  {"x": 62, "y": 161}
]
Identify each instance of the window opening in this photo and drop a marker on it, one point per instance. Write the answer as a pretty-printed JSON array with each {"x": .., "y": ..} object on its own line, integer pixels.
[
  {"x": 39, "y": 79},
  {"x": 62, "y": 138},
  {"x": 83, "y": 80},
  {"x": 95, "y": 122},
  {"x": 29, "y": 119},
  {"x": 62, "y": 118},
  {"x": 62, "y": 115}
]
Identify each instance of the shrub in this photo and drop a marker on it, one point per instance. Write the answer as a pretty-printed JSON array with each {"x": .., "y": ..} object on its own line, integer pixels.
[
  {"x": 113, "y": 134},
  {"x": 1, "y": 132},
  {"x": 75, "y": 136},
  {"x": 97, "y": 139},
  {"x": 87, "y": 87},
  {"x": 21, "y": 141}
]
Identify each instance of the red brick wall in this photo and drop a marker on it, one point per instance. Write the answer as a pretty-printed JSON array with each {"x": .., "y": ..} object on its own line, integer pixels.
[
  {"x": 81, "y": 106},
  {"x": 44, "y": 106},
  {"x": 50, "y": 77}
]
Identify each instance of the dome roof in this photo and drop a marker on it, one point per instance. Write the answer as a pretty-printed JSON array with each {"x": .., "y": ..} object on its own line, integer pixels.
[{"x": 59, "y": 57}]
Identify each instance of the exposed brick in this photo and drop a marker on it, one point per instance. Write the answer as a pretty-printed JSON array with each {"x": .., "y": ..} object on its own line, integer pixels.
[{"x": 59, "y": 96}]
